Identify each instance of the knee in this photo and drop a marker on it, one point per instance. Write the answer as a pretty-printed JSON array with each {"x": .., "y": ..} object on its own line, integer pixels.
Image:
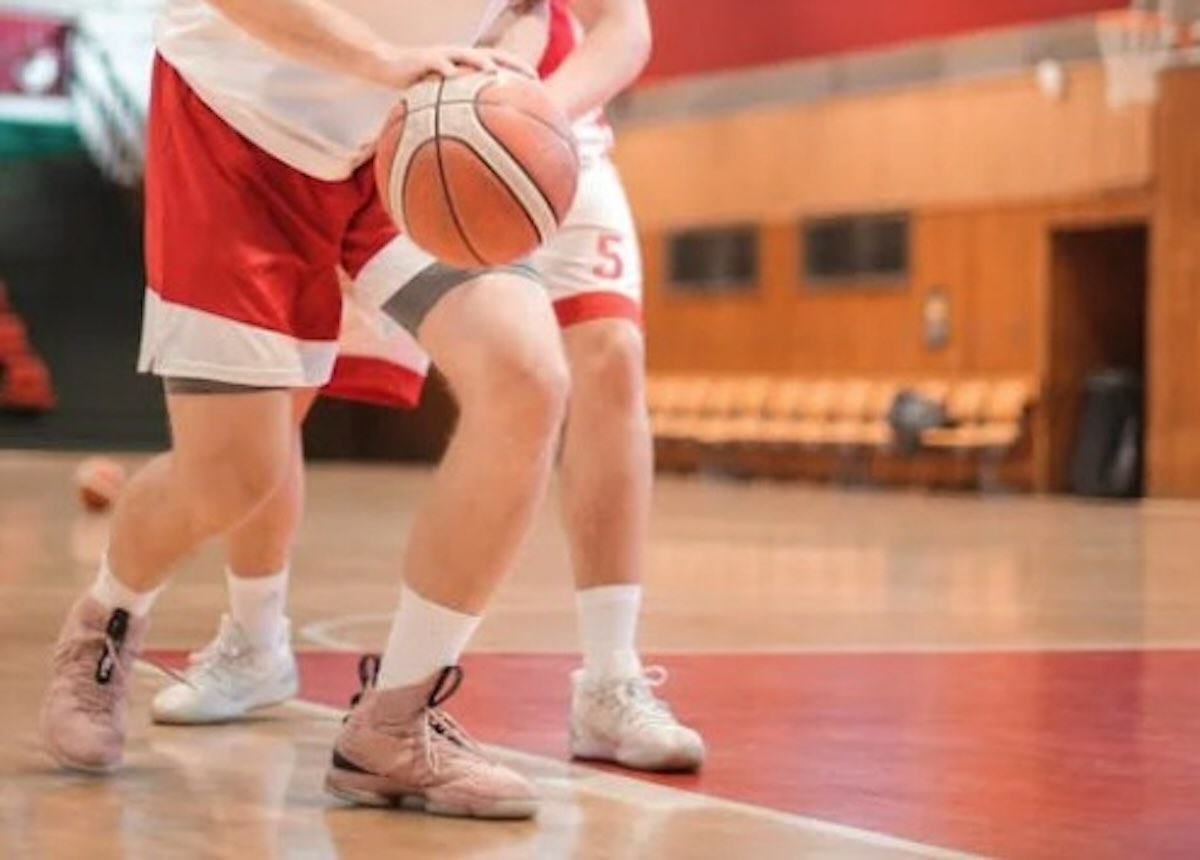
[
  {"x": 532, "y": 391},
  {"x": 222, "y": 494},
  {"x": 523, "y": 392},
  {"x": 608, "y": 367}
]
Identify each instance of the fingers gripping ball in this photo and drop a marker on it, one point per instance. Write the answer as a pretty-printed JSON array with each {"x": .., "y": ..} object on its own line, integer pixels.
[
  {"x": 99, "y": 481},
  {"x": 479, "y": 170}
]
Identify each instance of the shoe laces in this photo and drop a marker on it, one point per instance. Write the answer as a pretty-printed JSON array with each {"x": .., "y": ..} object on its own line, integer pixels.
[
  {"x": 94, "y": 688},
  {"x": 216, "y": 661},
  {"x": 441, "y": 728},
  {"x": 437, "y": 726},
  {"x": 637, "y": 702}
]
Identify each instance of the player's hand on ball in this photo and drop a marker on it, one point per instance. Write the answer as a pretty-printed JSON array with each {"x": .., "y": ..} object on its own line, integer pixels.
[
  {"x": 449, "y": 61},
  {"x": 510, "y": 62}
]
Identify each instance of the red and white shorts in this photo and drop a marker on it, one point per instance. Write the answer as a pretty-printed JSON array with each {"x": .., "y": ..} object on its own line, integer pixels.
[{"x": 244, "y": 256}]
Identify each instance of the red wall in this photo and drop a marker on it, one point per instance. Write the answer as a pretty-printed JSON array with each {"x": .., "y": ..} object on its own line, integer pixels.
[{"x": 696, "y": 36}]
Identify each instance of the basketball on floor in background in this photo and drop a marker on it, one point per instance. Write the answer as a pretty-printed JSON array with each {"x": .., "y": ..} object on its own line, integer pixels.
[
  {"x": 478, "y": 170},
  {"x": 99, "y": 481}
]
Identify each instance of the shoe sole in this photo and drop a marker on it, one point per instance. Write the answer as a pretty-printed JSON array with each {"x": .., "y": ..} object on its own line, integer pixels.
[
  {"x": 597, "y": 751},
  {"x": 65, "y": 761},
  {"x": 180, "y": 720},
  {"x": 501, "y": 810}
]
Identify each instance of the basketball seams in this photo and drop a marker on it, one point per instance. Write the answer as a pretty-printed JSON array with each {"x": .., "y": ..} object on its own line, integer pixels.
[
  {"x": 568, "y": 138},
  {"x": 437, "y": 137},
  {"x": 418, "y": 129},
  {"x": 525, "y": 173},
  {"x": 493, "y": 152},
  {"x": 483, "y": 162}
]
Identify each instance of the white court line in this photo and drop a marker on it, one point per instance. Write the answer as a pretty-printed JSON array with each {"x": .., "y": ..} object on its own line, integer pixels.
[
  {"x": 325, "y": 634},
  {"x": 628, "y": 789},
  {"x": 625, "y": 789}
]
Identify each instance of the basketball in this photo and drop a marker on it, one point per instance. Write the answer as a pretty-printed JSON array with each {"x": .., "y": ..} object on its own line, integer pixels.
[
  {"x": 99, "y": 480},
  {"x": 478, "y": 170}
]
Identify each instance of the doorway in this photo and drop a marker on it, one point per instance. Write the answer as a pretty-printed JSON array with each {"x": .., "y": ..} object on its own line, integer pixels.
[{"x": 1097, "y": 322}]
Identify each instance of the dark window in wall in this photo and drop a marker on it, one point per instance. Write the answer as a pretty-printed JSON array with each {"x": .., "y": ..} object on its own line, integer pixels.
[
  {"x": 713, "y": 259},
  {"x": 854, "y": 250}
]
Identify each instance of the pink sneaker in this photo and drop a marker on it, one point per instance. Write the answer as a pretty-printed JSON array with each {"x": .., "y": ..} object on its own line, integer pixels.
[
  {"x": 83, "y": 713},
  {"x": 398, "y": 749}
]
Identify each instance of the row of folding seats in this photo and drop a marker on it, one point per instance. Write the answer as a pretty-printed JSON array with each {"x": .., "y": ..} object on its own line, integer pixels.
[
  {"x": 827, "y": 412},
  {"x": 25, "y": 384}
]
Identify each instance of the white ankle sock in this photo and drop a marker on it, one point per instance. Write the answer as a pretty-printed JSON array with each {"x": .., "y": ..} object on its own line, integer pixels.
[
  {"x": 608, "y": 617},
  {"x": 110, "y": 592},
  {"x": 259, "y": 606},
  {"x": 425, "y": 637}
]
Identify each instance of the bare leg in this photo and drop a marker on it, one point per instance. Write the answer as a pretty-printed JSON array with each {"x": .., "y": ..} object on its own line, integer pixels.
[
  {"x": 496, "y": 342},
  {"x": 607, "y": 457},
  {"x": 607, "y": 472},
  {"x": 262, "y": 544},
  {"x": 250, "y": 663},
  {"x": 230, "y": 452}
]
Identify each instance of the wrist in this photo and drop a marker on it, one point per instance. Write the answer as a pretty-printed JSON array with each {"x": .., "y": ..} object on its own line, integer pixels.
[{"x": 381, "y": 64}]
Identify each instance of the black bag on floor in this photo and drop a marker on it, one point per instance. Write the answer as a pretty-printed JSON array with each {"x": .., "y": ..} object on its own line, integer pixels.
[
  {"x": 910, "y": 415},
  {"x": 1107, "y": 461}
]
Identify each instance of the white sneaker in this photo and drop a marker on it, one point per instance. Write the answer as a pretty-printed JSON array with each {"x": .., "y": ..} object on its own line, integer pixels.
[
  {"x": 621, "y": 720},
  {"x": 228, "y": 679}
]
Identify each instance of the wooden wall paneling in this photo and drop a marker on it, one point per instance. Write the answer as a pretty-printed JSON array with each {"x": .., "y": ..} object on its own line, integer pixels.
[
  {"x": 716, "y": 332},
  {"x": 998, "y": 140},
  {"x": 1174, "y": 396},
  {"x": 1007, "y": 287}
]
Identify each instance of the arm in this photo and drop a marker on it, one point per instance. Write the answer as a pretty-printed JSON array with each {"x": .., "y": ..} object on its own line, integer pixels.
[
  {"x": 521, "y": 32},
  {"x": 615, "y": 48},
  {"x": 320, "y": 33}
]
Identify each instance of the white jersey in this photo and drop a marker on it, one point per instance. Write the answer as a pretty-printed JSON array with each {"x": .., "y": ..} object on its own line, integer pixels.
[{"x": 322, "y": 123}]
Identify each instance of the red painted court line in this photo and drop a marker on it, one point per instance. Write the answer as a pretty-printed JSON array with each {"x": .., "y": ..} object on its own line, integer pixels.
[{"x": 1038, "y": 755}]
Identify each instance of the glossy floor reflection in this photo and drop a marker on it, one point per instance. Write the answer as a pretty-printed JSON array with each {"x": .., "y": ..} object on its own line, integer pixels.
[{"x": 877, "y": 673}]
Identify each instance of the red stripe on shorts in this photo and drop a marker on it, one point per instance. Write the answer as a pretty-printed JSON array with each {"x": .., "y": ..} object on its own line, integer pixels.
[
  {"x": 596, "y": 306},
  {"x": 375, "y": 381}
]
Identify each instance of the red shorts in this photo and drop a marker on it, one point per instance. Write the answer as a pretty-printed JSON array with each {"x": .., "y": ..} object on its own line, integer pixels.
[{"x": 243, "y": 252}]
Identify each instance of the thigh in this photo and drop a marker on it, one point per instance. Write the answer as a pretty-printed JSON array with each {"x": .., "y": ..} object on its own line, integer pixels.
[
  {"x": 592, "y": 267},
  {"x": 245, "y": 436}
]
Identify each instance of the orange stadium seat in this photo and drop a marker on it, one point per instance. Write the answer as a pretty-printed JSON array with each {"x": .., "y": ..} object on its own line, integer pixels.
[
  {"x": 805, "y": 425},
  {"x": 718, "y": 405},
  {"x": 847, "y": 413},
  {"x": 14, "y": 341},
  {"x": 26, "y": 386},
  {"x": 990, "y": 419},
  {"x": 780, "y": 407},
  {"x": 680, "y": 400},
  {"x": 743, "y": 416}
]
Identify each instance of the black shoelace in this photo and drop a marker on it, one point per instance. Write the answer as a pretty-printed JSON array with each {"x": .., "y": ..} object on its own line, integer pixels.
[
  {"x": 114, "y": 641},
  {"x": 368, "y": 676}
]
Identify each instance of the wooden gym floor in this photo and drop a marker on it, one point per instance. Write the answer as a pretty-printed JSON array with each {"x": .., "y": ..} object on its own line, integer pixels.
[{"x": 878, "y": 675}]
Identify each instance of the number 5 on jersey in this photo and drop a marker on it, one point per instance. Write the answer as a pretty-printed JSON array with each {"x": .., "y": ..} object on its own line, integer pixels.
[{"x": 610, "y": 247}]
